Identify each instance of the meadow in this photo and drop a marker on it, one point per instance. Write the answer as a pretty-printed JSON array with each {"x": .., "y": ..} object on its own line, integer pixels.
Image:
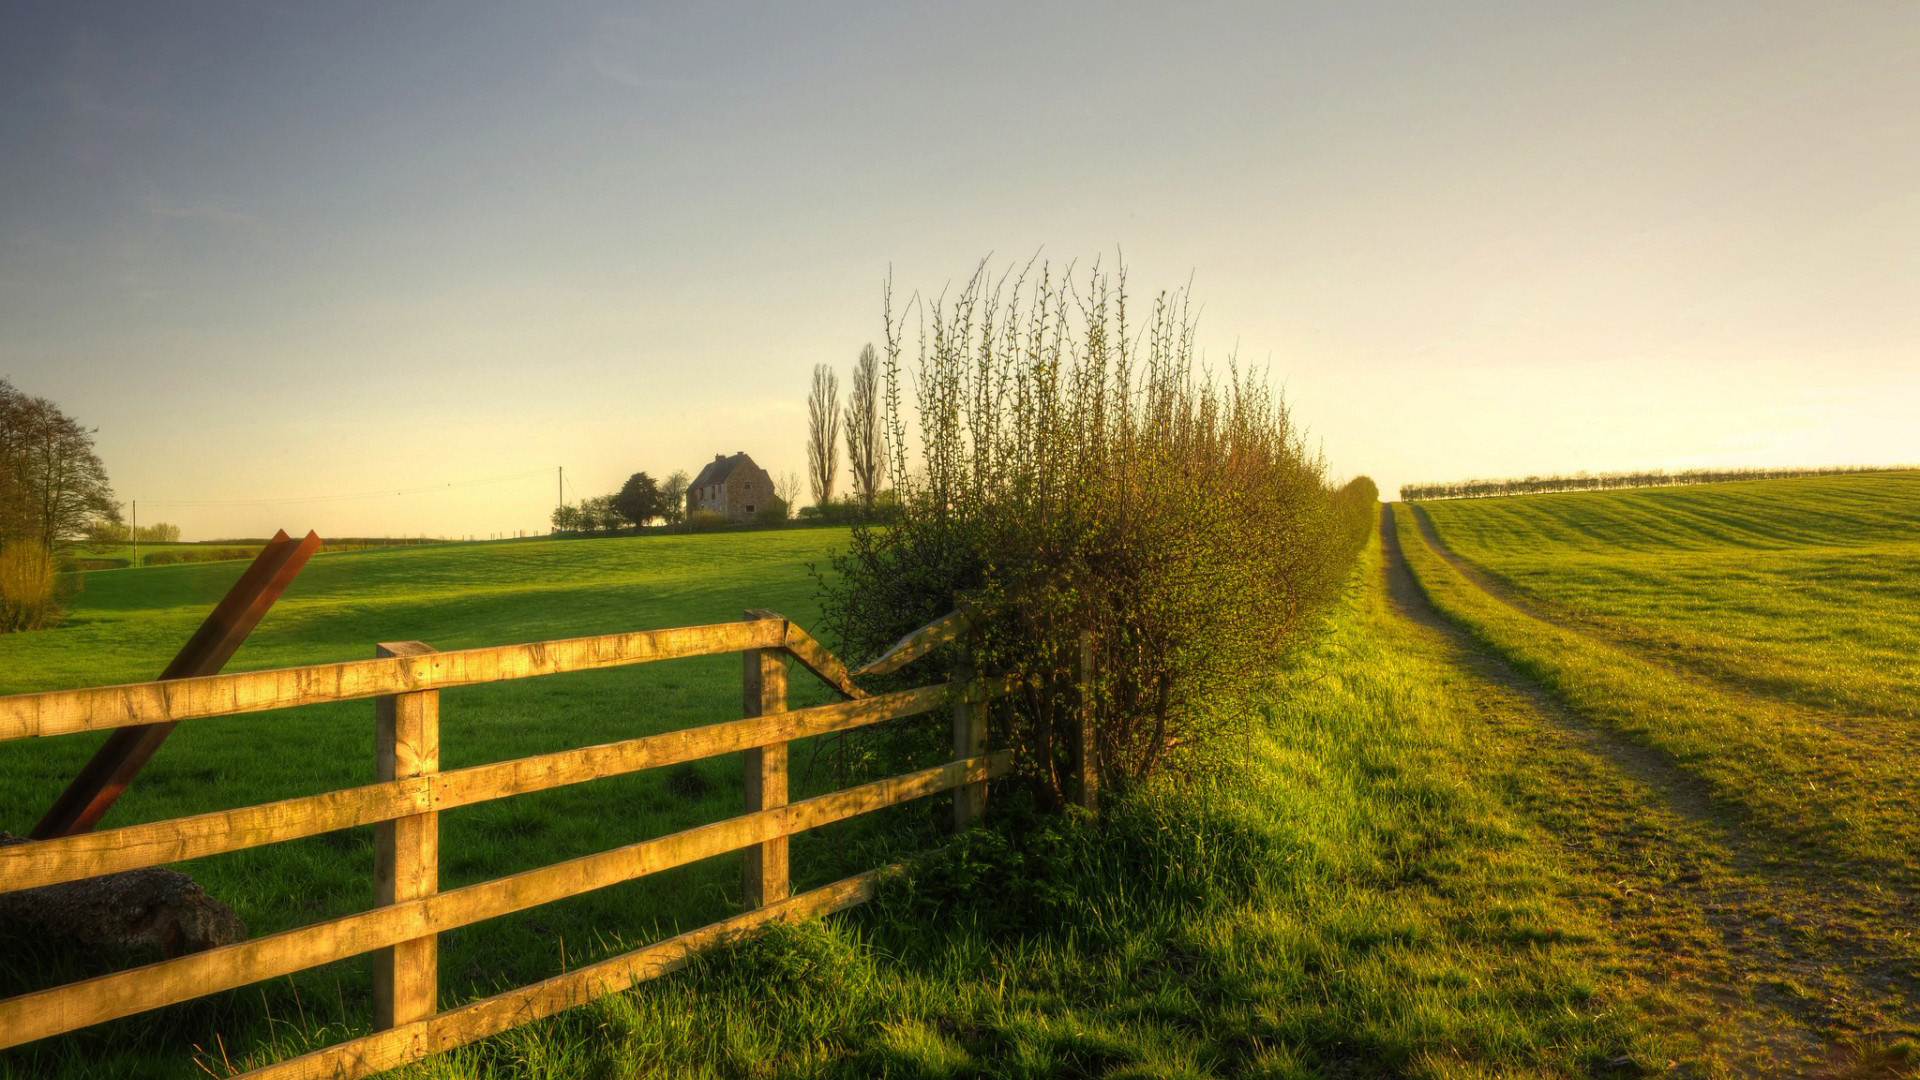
[{"x": 1353, "y": 896}]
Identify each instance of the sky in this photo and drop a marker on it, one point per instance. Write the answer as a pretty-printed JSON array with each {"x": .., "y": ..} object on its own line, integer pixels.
[{"x": 383, "y": 269}]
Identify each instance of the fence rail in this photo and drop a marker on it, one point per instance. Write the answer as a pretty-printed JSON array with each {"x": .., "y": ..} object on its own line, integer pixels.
[{"x": 410, "y": 911}]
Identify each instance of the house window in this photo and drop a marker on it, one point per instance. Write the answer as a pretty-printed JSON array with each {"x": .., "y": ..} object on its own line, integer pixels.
[
  {"x": 749, "y": 508},
  {"x": 749, "y": 485}
]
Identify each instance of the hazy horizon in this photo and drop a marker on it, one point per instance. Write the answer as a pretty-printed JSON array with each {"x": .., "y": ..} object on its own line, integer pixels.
[{"x": 284, "y": 258}]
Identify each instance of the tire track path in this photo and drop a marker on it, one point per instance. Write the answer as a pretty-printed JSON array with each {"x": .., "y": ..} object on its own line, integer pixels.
[{"x": 1809, "y": 976}]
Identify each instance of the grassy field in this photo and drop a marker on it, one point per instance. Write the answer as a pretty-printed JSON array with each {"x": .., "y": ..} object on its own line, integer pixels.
[
  {"x": 1841, "y": 790},
  {"x": 1801, "y": 589},
  {"x": 1365, "y": 896},
  {"x": 1746, "y": 651},
  {"x": 1361, "y": 897},
  {"x": 126, "y": 625},
  {"x": 1487, "y": 829}
]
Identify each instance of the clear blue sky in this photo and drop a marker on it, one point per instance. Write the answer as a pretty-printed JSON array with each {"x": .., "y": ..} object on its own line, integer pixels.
[{"x": 282, "y": 251}]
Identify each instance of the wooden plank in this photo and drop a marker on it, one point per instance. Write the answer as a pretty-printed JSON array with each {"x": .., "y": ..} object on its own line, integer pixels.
[
  {"x": 457, "y": 1027},
  {"x": 62, "y": 712},
  {"x": 917, "y": 644},
  {"x": 815, "y": 658},
  {"x": 406, "y": 850},
  {"x": 764, "y": 693},
  {"x": 65, "y": 1008},
  {"x": 49, "y": 862},
  {"x": 969, "y": 740},
  {"x": 71, "y": 858}
]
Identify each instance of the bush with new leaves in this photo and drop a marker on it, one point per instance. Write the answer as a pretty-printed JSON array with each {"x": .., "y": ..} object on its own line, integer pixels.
[{"x": 1078, "y": 472}]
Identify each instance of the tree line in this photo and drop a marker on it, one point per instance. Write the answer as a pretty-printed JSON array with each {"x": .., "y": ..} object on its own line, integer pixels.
[
  {"x": 640, "y": 500},
  {"x": 1537, "y": 485}
]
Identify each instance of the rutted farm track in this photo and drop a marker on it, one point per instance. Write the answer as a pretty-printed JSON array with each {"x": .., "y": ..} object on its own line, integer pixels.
[{"x": 1797, "y": 966}]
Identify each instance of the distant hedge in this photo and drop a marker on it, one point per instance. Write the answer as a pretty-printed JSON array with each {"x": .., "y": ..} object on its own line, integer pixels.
[
  {"x": 196, "y": 555},
  {"x": 71, "y": 565},
  {"x": 1540, "y": 485}
]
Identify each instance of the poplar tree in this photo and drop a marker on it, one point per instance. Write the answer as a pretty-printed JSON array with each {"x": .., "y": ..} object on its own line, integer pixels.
[
  {"x": 866, "y": 460},
  {"x": 823, "y": 433}
]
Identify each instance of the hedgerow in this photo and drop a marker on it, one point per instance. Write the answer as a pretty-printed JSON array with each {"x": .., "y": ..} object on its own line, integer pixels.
[{"x": 1080, "y": 475}]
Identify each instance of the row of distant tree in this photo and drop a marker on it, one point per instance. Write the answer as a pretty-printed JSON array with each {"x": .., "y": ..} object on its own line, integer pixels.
[
  {"x": 1534, "y": 485},
  {"x": 103, "y": 533},
  {"x": 640, "y": 501}
]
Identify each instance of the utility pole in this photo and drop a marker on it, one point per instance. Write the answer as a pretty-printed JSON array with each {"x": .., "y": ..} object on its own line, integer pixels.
[{"x": 135, "y": 533}]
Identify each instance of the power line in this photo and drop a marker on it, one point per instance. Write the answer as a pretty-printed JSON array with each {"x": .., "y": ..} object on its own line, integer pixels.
[{"x": 386, "y": 494}]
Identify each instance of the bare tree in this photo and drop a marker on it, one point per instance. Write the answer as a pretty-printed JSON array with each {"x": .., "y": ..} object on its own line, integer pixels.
[
  {"x": 823, "y": 433},
  {"x": 866, "y": 458},
  {"x": 788, "y": 489}
]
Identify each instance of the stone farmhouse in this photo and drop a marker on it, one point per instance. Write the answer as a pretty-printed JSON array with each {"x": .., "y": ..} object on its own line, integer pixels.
[{"x": 733, "y": 486}]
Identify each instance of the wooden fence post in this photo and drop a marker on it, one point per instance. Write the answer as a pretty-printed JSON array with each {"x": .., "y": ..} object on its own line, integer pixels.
[
  {"x": 969, "y": 739},
  {"x": 406, "y": 859},
  {"x": 764, "y": 692},
  {"x": 1086, "y": 751}
]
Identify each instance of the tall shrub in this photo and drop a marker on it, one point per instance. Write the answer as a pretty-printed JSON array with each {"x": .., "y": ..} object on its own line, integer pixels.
[
  {"x": 27, "y": 599},
  {"x": 1079, "y": 474}
]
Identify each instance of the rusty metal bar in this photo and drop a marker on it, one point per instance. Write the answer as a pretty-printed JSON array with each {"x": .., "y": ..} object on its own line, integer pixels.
[{"x": 86, "y": 800}]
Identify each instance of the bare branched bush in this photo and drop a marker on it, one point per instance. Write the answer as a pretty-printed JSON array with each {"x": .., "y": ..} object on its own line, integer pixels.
[{"x": 1078, "y": 474}]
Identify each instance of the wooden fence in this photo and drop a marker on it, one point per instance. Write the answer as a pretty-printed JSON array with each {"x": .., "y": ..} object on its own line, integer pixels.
[{"x": 410, "y": 911}]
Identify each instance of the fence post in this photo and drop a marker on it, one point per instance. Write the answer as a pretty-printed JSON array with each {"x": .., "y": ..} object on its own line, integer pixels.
[
  {"x": 406, "y": 859},
  {"x": 969, "y": 739},
  {"x": 1086, "y": 764},
  {"x": 764, "y": 692}
]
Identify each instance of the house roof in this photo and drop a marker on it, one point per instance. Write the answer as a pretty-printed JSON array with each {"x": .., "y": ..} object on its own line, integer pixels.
[{"x": 720, "y": 468}]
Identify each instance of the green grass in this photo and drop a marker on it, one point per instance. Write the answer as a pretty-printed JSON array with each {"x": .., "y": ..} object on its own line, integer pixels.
[
  {"x": 1843, "y": 796},
  {"x": 1805, "y": 589},
  {"x": 1357, "y": 898},
  {"x": 1368, "y": 892},
  {"x": 126, "y": 625},
  {"x": 1757, "y": 639}
]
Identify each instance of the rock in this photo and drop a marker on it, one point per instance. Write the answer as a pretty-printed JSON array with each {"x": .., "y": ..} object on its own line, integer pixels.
[{"x": 138, "y": 911}]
